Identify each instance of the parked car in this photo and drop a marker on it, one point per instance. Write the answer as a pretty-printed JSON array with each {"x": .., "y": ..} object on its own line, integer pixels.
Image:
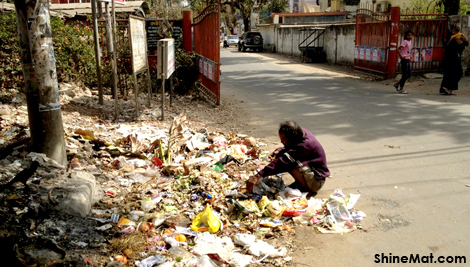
[
  {"x": 252, "y": 40},
  {"x": 231, "y": 40}
]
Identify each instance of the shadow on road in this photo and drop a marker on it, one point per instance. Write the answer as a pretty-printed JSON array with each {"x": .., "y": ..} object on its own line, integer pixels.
[{"x": 343, "y": 107}]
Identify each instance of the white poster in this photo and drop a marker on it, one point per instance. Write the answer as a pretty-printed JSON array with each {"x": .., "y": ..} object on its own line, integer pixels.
[{"x": 138, "y": 43}]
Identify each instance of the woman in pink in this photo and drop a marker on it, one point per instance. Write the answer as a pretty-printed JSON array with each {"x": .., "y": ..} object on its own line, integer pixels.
[{"x": 405, "y": 56}]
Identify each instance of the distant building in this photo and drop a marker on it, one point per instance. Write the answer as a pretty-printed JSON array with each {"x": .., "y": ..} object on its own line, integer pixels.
[
  {"x": 82, "y": 8},
  {"x": 384, "y": 5}
]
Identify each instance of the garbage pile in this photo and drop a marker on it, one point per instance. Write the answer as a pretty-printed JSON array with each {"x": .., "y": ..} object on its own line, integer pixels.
[{"x": 146, "y": 196}]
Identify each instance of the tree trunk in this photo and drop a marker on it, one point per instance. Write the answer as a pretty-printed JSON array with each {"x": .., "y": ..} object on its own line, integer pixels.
[
  {"x": 40, "y": 76},
  {"x": 246, "y": 23},
  {"x": 452, "y": 6}
]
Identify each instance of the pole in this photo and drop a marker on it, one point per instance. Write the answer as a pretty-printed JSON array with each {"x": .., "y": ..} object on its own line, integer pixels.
[
  {"x": 163, "y": 98},
  {"x": 392, "y": 53},
  {"x": 171, "y": 91},
  {"x": 149, "y": 85},
  {"x": 136, "y": 95},
  {"x": 97, "y": 52},
  {"x": 116, "y": 109},
  {"x": 187, "y": 45},
  {"x": 40, "y": 76}
]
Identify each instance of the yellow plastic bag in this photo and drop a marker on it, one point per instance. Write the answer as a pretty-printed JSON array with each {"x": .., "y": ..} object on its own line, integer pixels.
[
  {"x": 206, "y": 221},
  {"x": 263, "y": 204}
]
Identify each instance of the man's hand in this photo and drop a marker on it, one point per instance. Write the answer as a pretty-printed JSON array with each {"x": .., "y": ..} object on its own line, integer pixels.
[
  {"x": 250, "y": 183},
  {"x": 274, "y": 154}
]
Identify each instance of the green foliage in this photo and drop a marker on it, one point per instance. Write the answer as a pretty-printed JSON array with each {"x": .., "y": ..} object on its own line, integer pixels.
[
  {"x": 74, "y": 51},
  {"x": 166, "y": 9},
  {"x": 278, "y": 6},
  {"x": 437, "y": 6},
  {"x": 423, "y": 6},
  {"x": 11, "y": 72},
  {"x": 186, "y": 72}
]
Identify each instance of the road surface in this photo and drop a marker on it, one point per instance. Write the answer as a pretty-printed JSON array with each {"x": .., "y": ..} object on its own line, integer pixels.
[{"x": 407, "y": 155}]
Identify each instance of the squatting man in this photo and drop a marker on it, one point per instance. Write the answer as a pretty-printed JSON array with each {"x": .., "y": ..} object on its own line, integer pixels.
[{"x": 302, "y": 156}]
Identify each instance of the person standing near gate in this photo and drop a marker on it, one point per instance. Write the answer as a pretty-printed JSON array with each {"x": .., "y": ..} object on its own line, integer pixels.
[
  {"x": 404, "y": 52},
  {"x": 453, "y": 71}
]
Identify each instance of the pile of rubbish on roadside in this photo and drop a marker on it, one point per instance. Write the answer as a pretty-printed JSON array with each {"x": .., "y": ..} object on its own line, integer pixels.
[{"x": 168, "y": 197}]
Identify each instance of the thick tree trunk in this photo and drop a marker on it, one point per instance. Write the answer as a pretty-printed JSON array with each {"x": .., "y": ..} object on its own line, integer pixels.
[
  {"x": 246, "y": 23},
  {"x": 452, "y": 6},
  {"x": 39, "y": 71}
]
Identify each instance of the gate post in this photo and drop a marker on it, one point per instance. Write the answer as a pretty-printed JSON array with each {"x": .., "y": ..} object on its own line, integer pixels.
[
  {"x": 187, "y": 44},
  {"x": 393, "y": 43}
]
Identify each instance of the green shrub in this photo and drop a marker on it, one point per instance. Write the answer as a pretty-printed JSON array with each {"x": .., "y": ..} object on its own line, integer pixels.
[
  {"x": 186, "y": 71},
  {"x": 74, "y": 52},
  {"x": 11, "y": 72}
]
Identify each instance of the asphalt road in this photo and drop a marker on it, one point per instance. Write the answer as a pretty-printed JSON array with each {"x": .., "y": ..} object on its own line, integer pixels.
[{"x": 407, "y": 155}]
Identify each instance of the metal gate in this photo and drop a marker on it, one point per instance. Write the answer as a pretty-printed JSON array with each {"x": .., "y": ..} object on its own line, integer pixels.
[
  {"x": 378, "y": 36},
  {"x": 430, "y": 32},
  {"x": 206, "y": 30},
  {"x": 372, "y": 41}
]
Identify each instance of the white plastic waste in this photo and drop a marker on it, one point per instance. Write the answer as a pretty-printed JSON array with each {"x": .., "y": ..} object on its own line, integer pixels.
[
  {"x": 358, "y": 216},
  {"x": 260, "y": 248},
  {"x": 205, "y": 261},
  {"x": 244, "y": 240},
  {"x": 353, "y": 198},
  {"x": 173, "y": 242},
  {"x": 139, "y": 177},
  {"x": 239, "y": 260}
]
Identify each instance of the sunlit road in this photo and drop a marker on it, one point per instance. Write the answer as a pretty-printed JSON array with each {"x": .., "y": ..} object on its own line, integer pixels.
[{"x": 408, "y": 155}]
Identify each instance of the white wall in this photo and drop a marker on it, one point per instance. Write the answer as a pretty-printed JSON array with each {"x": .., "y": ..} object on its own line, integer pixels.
[
  {"x": 338, "y": 41},
  {"x": 399, "y": 3}
]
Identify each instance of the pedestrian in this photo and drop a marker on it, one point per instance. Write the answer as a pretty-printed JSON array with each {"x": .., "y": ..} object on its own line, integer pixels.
[
  {"x": 452, "y": 62},
  {"x": 404, "y": 52},
  {"x": 302, "y": 156}
]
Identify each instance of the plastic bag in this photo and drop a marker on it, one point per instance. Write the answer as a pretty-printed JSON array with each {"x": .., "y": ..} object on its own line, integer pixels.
[
  {"x": 147, "y": 204},
  {"x": 275, "y": 209},
  {"x": 263, "y": 203},
  {"x": 260, "y": 248},
  {"x": 205, "y": 260},
  {"x": 337, "y": 208},
  {"x": 206, "y": 221},
  {"x": 244, "y": 240},
  {"x": 240, "y": 260},
  {"x": 151, "y": 261}
]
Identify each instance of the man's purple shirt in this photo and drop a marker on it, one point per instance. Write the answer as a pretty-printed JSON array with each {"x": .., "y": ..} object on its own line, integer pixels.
[{"x": 309, "y": 151}]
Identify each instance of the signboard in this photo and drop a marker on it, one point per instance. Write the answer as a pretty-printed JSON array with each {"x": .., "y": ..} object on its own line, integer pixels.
[
  {"x": 153, "y": 26},
  {"x": 369, "y": 53},
  {"x": 122, "y": 2},
  {"x": 207, "y": 67},
  {"x": 138, "y": 43},
  {"x": 138, "y": 39},
  {"x": 166, "y": 58}
]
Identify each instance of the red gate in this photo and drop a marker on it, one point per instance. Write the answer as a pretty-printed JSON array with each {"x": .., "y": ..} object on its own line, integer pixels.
[
  {"x": 428, "y": 41},
  {"x": 378, "y": 36},
  {"x": 372, "y": 41},
  {"x": 206, "y": 30}
]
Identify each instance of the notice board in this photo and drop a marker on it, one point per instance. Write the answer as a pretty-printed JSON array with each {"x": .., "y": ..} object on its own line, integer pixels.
[
  {"x": 138, "y": 43},
  {"x": 166, "y": 57},
  {"x": 153, "y": 27}
]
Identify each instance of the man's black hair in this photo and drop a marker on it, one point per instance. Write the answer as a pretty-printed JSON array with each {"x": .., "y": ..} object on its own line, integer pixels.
[{"x": 292, "y": 131}]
